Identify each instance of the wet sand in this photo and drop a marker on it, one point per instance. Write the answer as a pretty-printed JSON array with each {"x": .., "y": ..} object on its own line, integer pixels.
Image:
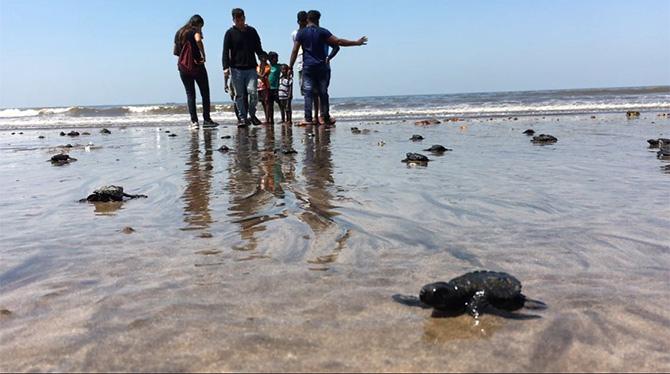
[{"x": 258, "y": 261}]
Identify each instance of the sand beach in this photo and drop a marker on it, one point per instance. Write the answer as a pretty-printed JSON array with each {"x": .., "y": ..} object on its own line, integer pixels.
[{"x": 256, "y": 260}]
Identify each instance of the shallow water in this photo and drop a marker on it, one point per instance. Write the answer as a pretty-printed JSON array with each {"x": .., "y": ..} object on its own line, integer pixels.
[{"x": 258, "y": 261}]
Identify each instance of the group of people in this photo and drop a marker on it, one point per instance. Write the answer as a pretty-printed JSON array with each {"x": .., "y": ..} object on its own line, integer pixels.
[{"x": 247, "y": 81}]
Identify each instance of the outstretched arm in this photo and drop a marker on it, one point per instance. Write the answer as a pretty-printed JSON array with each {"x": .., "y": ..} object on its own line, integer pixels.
[{"x": 334, "y": 40}]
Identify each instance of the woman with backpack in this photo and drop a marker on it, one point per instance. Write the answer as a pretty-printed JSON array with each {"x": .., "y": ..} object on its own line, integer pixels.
[{"x": 191, "y": 65}]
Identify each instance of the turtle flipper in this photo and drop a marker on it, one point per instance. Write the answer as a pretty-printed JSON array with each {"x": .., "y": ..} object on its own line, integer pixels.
[
  {"x": 409, "y": 301},
  {"x": 478, "y": 302},
  {"x": 534, "y": 304}
]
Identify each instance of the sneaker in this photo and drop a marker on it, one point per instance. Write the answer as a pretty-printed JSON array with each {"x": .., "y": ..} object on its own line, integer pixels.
[
  {"x": 209, "y": 124},
  {"x": 244, "y": 124},
  {"x": 194, "y": 125},
  {"x": 329, "y": 121},
  {"x": 255, "y": 121}
]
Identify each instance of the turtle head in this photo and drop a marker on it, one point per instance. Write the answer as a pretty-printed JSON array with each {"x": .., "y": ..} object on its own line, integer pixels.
[{"x": 439, "y": 295}]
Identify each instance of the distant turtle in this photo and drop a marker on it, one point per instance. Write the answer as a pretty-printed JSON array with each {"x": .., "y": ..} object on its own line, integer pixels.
[
  {"x": 632, "y": 114},
  {"x": 61, "y": 159},
  {"x": 223, "y": 149},
  {"x": 62, "y": 133},
  {"x": 475, "y": 292},
  {"x": 654, "y": 143},
  {"x": 664, "y": 151},
  {"x": 285, "y": 150},
  {"x": 416, "y": 138},
  {"x": 415, "y": 158},
  {"x": 109, "y": 193},
  {"x": 73, "y": 133},
  {"x": 105, "y": 131},
  {"x": 172, "y": 135},
  {"x": 355, "y": 130},
  {"x": 544, "y": 139},
  {"x": 529, "y": 132},
  {"x": 226, "y": 137},
  {"x": 436, "y": 148}
]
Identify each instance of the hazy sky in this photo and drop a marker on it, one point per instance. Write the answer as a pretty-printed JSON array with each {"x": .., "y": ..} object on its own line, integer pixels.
[{"x": 95, "y": 52}]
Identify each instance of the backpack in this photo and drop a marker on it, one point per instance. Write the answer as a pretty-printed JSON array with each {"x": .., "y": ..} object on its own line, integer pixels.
[{"x": 186, "y": 63}]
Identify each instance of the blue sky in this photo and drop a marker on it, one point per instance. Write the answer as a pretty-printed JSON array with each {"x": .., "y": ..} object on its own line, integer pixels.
[{"x": 96, "y": 52}]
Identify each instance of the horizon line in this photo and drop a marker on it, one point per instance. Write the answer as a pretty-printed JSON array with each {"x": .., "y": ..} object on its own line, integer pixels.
[{"x": 369, "y": 96}]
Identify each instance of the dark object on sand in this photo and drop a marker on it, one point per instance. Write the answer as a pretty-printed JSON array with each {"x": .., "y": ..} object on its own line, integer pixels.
[
  {"x": 172, "y": 135},
  {"x": 86, "y": 133},
  {"x": 529, "y": 132},
  {"x": 427, "y": 122},
  {"x": 416, "y": 138},
  {"x": 73, "y": 133},
  {"x": 632, "y": 114},
  {"x": 437, "y": 149},
  {"x": 544, "y": 139},
  {"x": 109, "y": 193},
  {"x": 664, "y": 151},
  {"x": 40, "y": 137},
  {"x": 415, "y": 158},
  {"x": 226, "y": 137},
  {"x": 654, "y": 143},
  {"x": 105, "y": 131},
  {"x": 223, "y": 149},
  {"x": 127, "y": 230},
  {"x": 475, "y": 293},
  {"x": 62, "y": 134},
  {"x": 61, "y": 159},
  {"x": 355, "y": 130}
]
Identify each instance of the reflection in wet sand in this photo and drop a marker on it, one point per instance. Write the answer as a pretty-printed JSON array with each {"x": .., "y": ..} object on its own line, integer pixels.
[
  {"x": 198, "y": 177},
  {"x": 446, "y": 330}
]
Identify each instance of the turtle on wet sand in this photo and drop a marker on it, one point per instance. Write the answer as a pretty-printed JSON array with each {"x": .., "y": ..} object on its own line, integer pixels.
[
  {"x": 105, "y": 131},
  {"x": 223, "y": 149},
  {"x": 529, "y": 132},
  {"x": 475, "y": 292},
  {"x": 416, "y": 138},
  {"x": 654, "y": 143},
  {"x": 61, "y": 159},
  {"x": 436, "y": 148},
  {"x": 415, "y": 158},
  {"x": 544, "y": 139},
  {"x": 109, "y": 193}
]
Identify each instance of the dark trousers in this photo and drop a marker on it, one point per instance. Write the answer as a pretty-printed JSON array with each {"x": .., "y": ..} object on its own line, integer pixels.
[
  {"x": 203, "y": 84},
  {"x": 316, "y": 80}
]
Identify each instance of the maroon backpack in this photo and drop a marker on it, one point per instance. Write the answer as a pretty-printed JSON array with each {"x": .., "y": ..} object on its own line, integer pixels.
[{"x": 186, "y": 63}]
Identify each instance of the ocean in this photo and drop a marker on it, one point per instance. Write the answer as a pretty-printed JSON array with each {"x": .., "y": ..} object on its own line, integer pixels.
[{"x": 467, "y": 105}]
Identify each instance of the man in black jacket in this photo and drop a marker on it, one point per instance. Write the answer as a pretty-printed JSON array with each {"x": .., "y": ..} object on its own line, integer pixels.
[{"x": 241, "y": 45}]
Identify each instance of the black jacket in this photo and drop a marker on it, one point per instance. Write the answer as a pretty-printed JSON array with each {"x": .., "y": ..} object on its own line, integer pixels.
[{"x": 240, "y": 48}]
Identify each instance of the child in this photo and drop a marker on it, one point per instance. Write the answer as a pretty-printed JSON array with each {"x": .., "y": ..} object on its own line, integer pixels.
[
  {"x": 264, "y": 89},
  {"x": 273, "y": 79},
  {"x": 285, "y": 94}
]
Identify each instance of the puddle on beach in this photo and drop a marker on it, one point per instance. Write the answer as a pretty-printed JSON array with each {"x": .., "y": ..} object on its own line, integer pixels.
[{"x": 256, "y": 260}]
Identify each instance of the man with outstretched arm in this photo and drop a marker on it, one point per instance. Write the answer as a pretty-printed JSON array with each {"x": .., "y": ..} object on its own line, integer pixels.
[
  {"x": 314, "y": 41},
  {"x": 241, "y": 45}
]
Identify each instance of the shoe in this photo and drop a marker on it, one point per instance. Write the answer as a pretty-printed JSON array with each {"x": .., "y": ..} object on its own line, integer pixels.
[
  {"x": 244, "y": 124},
  {"x": 209, "y": 124},
  {"x": 194, "y": 125},
  {"x": 306, "y": 123},
  {"x": 255, "y": 121}
]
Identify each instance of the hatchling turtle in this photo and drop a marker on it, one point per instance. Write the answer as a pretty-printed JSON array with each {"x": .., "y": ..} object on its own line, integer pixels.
[
  {"x": 654, "y": 143},
  {"x": 61, "y": 159},
  {"x": 544, "y": 139},
  {"x": 529, "y": 132},
  {"x": 223, "y": 149},
  {"x": 475, "y": 292},
  {"x": 105, "y": 131},
  {"x": 436, "y": 148},
  {"x": 109, "y": 193},
  {"x": 416, "y": 138},
  {"x": 415, "y": 158}
]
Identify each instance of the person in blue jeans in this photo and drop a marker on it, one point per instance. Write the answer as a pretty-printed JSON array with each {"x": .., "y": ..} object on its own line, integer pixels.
[
  {"x": 241, "y": 45},
  {"x": 314, "y": 41}
]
